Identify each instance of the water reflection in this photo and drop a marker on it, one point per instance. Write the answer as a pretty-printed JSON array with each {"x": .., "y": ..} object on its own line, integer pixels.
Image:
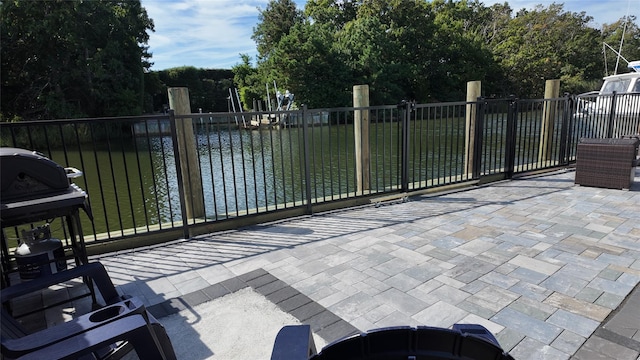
[{"x": 132, "y": 182}]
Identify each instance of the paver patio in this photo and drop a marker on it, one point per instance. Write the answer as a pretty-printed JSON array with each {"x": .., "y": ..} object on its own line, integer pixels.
[{"x": 539, "y": 261}]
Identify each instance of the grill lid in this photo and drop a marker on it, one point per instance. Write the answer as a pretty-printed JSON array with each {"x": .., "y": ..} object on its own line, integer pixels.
[{"x": 29, "y": 174}]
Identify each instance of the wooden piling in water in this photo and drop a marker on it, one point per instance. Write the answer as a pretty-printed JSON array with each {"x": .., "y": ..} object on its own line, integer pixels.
[
  {"x": 474, "y": 91},
  {"x": 361, "y": 134},
  {"x": 551, "y": 91},
  {"x": 189, "y": 164}
]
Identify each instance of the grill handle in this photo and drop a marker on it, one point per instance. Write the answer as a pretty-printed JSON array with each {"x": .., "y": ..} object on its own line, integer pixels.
[{"x": 72, "y": 172}]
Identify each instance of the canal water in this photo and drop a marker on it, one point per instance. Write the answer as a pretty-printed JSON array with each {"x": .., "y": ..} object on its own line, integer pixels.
[{"x": 132, "y": 181}]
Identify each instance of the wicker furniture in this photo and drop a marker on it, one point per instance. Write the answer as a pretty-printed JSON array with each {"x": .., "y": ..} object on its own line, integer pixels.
[{"x": 607, "y": 163}]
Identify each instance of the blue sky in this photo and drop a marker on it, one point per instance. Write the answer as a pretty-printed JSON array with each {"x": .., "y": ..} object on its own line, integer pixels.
[{"x": 213, "y": 33}]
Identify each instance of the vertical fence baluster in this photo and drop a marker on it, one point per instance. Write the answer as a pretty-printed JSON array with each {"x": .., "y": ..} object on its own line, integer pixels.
[
  {"x": 564, "y": 132},
  {"x": 307, "y": 169},
  {"x": 404, "y": 146},
  {"x": 612, "y": 114},
  {"x": 478, "y": 138},
  {"x": 510, "y": 150}
]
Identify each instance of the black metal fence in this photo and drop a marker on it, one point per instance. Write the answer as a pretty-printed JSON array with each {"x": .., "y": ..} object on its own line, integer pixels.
[{"x": 149, "y": 177}]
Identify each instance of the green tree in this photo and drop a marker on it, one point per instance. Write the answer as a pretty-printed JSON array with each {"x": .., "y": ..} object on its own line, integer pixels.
[
  {"x": 155, "y": 92},
  {"x": 307, "y": 64},
  {"x": 548, "y": 43},
  {"x": 301, "y": 56},
  {"x": 64, "y": 59},
  {"x": 428, "y": 50},
  {"x": 487, "y": 25},
  {"x": 401, "y": 49},
  {"x": 333, "y": 13},
  {"x": 208, "y": 88},
  {"x": 416, "y": 50},
  {"x": 460, "y": 49},
  {"x": 275, "y": 22},
  {"x": 248, "y": 81},
  {"x": 403, "y": 46}
]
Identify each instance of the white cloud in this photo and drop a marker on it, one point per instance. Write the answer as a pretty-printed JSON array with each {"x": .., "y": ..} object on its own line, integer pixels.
[{"x": 202, "y": 33}]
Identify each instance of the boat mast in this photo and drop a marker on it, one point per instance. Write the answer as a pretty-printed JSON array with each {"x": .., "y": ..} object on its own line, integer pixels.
[
  {"x": 616, "y": 52},
  {"x": 624, "y": 30},
  {"x": 268, "y": 96}
]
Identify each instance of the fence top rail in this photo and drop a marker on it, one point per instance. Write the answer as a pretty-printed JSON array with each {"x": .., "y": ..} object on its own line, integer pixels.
[
  {"x": 282, "y": 112},
  {"x": 237, "y": 113},
  {"x": 226, "y": 115},
  {"x": 296, "y": 112},
  {"x": 453, "y": 103},
  {"x": 607, "y": 95},
  {"x": 85, "y": 120},
  {"x": 343, "y": 109}
]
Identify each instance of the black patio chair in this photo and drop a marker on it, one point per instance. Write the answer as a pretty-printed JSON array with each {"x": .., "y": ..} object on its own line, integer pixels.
[
  {"x": 463, "y": 341},
  {"x": 120, "y": 325}
]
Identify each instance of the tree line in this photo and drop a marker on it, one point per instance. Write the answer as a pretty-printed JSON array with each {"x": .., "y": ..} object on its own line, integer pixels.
[
  {"x": 74, "y": 59},
  {"x": 71, "y": 59},
  {"x": 427, "y": 50},
  {"x": 208, "y": 88}
]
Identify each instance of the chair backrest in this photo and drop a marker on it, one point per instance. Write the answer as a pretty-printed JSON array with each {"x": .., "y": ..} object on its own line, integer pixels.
[
  {"x": 10, "y": 327},
  {"x": 124, "y": 321},
  {"x": 402, "y": 342},
  {"x": 95, "y": 272}
]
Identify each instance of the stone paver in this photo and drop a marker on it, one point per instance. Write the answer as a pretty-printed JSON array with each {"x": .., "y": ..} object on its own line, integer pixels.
[{"x": 542, "y": 263}]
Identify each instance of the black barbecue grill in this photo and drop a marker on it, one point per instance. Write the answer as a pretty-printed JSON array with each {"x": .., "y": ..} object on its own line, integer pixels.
[{"x": 34, "y": 188}]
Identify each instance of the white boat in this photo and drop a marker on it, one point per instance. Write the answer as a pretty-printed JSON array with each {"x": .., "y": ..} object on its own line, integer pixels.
[
  {"x": 618, "y": 100},
  {"x": 623, "y": 83},
  {"x": 599, "y": 102}
]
